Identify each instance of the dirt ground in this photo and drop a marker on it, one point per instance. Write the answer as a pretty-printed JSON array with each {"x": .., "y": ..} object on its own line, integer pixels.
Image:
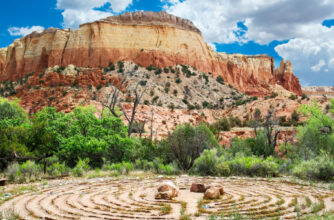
[{"x": 133, "y": 198}]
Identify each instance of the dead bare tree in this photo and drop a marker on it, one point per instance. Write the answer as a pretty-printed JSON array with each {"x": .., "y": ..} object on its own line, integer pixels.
[
  {"x": 152, "y": 119},
  {"x": 270, "y": 127},
  {"x": 113, "y": 102},
  {"x": 136, "y": 101}
]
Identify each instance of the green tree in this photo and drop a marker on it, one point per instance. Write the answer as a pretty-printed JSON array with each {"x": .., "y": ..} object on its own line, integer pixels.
[
  {"x": 317, "y": 133},
  {"x": 187, "y": 143}
]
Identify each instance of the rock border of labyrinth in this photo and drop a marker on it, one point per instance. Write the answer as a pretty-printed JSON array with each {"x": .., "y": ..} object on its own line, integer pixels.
[{"x": 134, "y": 198}]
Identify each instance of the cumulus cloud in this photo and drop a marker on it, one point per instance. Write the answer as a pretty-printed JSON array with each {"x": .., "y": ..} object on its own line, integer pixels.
[
  {"x": 266, "y": 20},
  {"x": 73, "y": 18},
  {"x": 23, "y": 31},
  {"x": 319, "y": 66},
  {"x": 310, "y": 46},
  {"x": 77, "y": 12},
  {"x": 313, "y": 53}
]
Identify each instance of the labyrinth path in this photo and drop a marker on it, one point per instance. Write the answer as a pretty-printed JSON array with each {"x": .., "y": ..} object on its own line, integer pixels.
[{"x": 134, "y": 199}]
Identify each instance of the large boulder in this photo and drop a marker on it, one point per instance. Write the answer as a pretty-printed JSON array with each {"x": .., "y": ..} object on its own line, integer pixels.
[
  {"x": 197, "y": 187},
  {"x": 216, "y": 185},
  {"x": 167, "y": 190},
  {"x": 212, "y": 193}
]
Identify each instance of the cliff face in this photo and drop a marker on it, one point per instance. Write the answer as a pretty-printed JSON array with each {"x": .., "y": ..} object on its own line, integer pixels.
[{"x": 146, "y": 38}]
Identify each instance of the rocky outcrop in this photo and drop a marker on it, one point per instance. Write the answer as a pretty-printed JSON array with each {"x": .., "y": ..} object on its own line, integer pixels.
[
  {"x": 284, "y": 76},
  {"x": 146, "y": 38}
]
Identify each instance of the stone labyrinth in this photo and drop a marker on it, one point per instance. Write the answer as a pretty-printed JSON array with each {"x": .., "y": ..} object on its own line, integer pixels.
[{"x": 134, "y": 199}]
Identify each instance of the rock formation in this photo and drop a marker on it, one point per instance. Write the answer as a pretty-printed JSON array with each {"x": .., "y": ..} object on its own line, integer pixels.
[{"x": 146, "y": 38}]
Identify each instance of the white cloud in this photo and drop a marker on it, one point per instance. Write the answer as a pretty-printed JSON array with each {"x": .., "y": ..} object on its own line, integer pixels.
[
  {"x": 312, "y": 53},
  {"x": 23, "y": 31},
  {"x": 310, "y": 46},
  {"x": 266, "y": 20},
  {"x": 318, "y": 67},
  {"x": 73, "y": 18},
  {"x": 77, "y": 12}
]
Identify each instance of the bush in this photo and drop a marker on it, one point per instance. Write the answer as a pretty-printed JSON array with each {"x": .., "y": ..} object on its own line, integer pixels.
[
  {"x": 254, "y": 166},
  {"x": 187, "y": 143},
  {"x": 144, "y": 165},
  {"x": 210, "y": 164},
  {"x": 220, "y": 80},
  {"x": 319, "y": 168},
  {"x": 55, "y": 168},
  {"x": 121, "y": 168},
  {"x": 25, "y": 172},
  {"x": 13, "y": 172},
  {"x": 241, "y": 146},
  {"x": 81, "y": 167},
  {"x": 169, "y": 169}
]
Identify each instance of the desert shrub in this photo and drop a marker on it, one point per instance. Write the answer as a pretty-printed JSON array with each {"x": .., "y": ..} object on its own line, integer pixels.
[
  {"x": 121, "y": 168},
  {"x": 81, "y": 167},
  {"x": 273, "y": 95},
  {"x": 13, "y": 172},
  {"x": 241, "y": 146},
  {"x": 220, "y": 80},
  {"x": 178, "y": 80},
  {"x": 169, "y": 169},
  {"x": 120, "y": 66},
  {"x": 235, "y": 122},
  {"x": 187, "y": 143},
  {"x": 25, "y": 172},
  {"x": 30, "y": 170},
  {"x": 144, "y": 165},
  {"x": 210, "y": 164},
  {"x": 260, "y": 146},
  {"x": 55, "y": 168},
  {"x": 319, "y": 168},
  {"x": 254, "y": 166}
]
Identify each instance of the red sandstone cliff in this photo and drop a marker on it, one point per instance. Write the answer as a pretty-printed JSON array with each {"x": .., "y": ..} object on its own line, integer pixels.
[{"x": 146, "y": 38}]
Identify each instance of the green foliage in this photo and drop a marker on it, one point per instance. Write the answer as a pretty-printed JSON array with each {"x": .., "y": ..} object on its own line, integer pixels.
[
  {"x": 121, "y": 168},
  {"x": 81, "y": 167},
  {"x": 293, "y": 97},
  {"x": 220, "y": 80},
  {"x": 210, "y": 164},
  {"x": 169, "y": 169},
  {"x": 273, "y": 95},
  {"x": 12, "y": 112},
  {"x": 317, "y": 133},
  {"x": 187, "y": 142},
  {"x": 120, "y": 65},
  {"x": 254, "y": 166},
  {"x": 28, "y": 171},
  {"x": 55, "y": 168},
  {"x": 319, "y": 168}
]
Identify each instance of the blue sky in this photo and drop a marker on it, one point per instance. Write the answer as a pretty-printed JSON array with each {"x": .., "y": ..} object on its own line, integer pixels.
[{"x": 299, "y": 30}]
